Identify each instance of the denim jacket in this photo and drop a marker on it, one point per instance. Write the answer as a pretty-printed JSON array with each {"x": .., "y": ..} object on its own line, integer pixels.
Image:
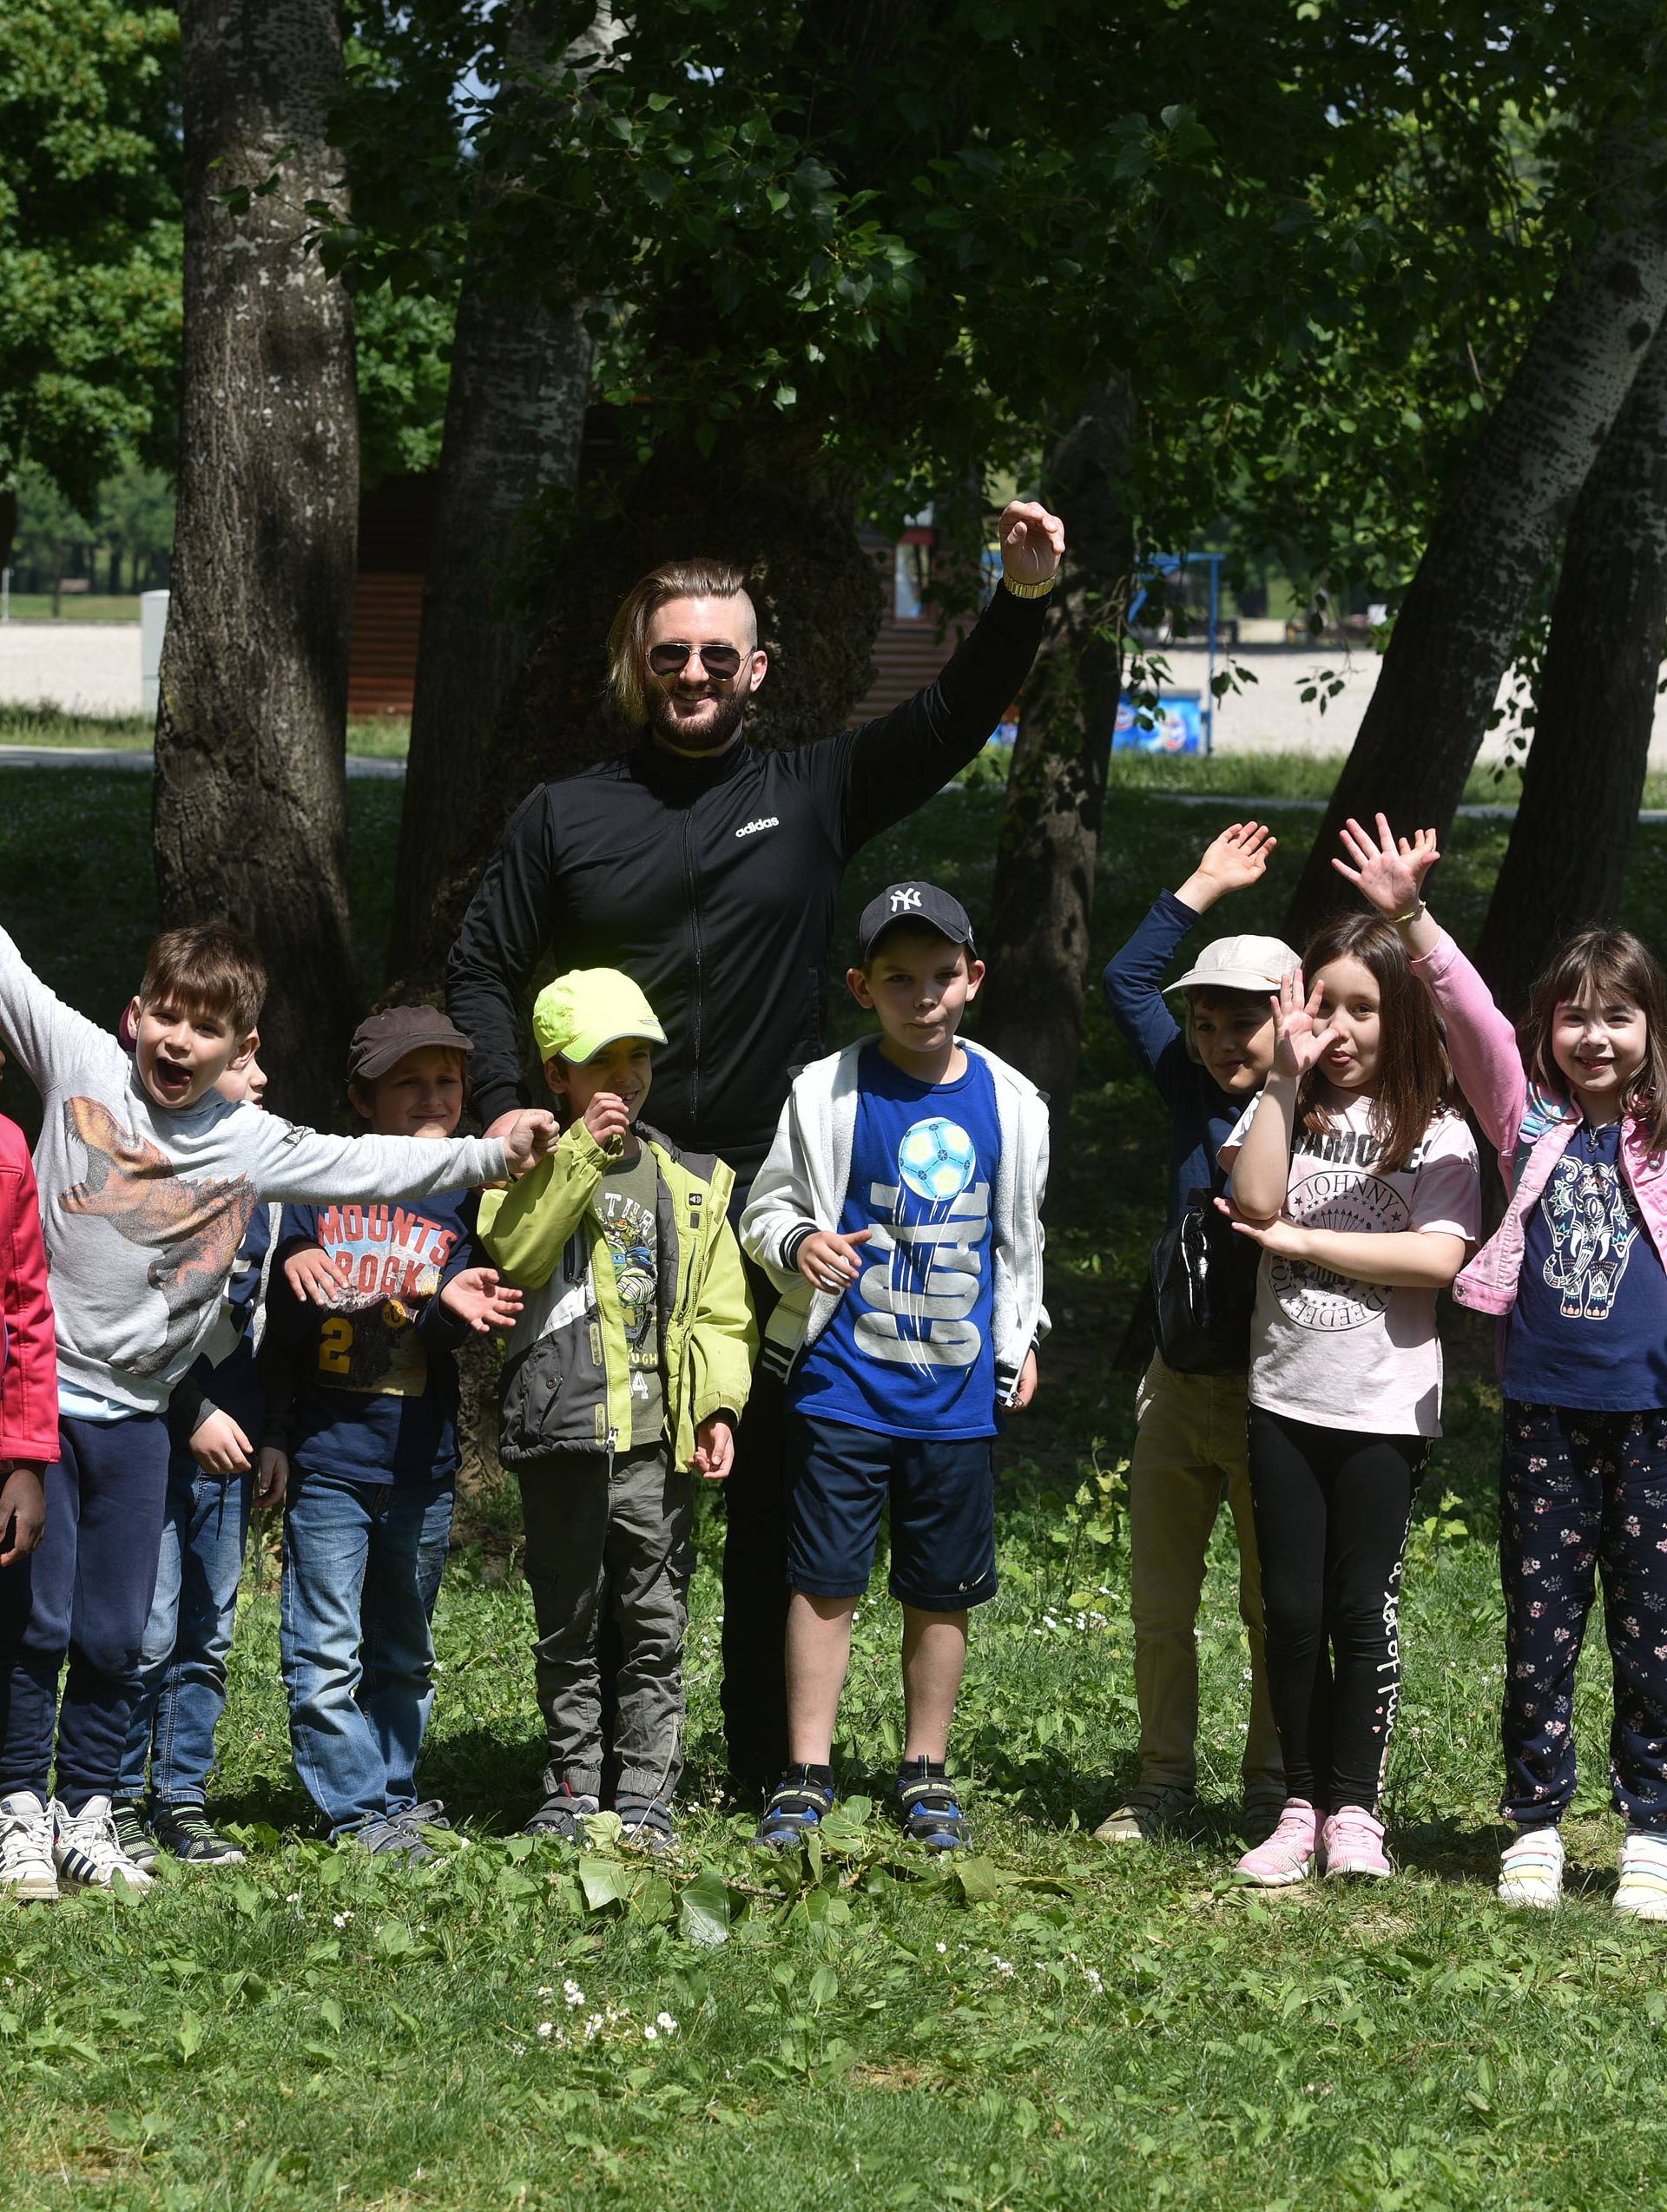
[{"x": 1527, "y": 1128}]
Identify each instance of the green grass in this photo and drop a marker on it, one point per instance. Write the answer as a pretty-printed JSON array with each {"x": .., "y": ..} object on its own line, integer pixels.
[
  {"x": 1051, "y": 2025},
  {"x": 387, "y": 737},
  {"x": 75, "y": 607}
]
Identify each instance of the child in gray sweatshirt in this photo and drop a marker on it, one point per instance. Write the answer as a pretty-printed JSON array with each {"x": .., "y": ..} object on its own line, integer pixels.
[{"x": 148, "y": 1179}]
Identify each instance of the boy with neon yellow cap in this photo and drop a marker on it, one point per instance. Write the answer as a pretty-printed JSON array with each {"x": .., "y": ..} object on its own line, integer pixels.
[{"x": 628, "y": 1369}]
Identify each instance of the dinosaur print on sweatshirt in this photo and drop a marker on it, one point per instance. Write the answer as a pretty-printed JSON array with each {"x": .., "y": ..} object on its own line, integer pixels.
[{"x": 196, "y": 1228}]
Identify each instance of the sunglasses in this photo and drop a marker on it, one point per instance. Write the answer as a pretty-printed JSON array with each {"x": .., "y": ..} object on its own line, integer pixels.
[{"x": 720, "y": 661}]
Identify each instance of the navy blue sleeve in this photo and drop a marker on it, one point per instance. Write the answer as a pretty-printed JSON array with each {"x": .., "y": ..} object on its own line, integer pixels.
[
  {"x": 289, "y": 1318},
  {"x": 434, "y": 1324},
  {"x": 1132, "y": 981}
]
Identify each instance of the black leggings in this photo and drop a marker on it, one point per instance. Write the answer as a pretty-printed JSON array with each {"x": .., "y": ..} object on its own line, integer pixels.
[{"x": 1333, "y": 1509}]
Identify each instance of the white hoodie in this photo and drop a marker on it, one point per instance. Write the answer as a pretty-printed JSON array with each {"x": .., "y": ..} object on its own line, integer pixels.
[{"x": 802, "y": 1184}]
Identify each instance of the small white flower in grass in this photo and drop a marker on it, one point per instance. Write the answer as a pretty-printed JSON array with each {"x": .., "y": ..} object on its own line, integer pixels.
[
  {"x": 1002, "y": 1966},
  {"x": 546, "y": 2029},
  {"x": 517, "y": 2051},
  {"x": 1091, "y": 1976},
  {"x": 572, "y": 1992},
  {"x": 664, "y": 2021},
  {"x": 340, "y": 1919},
  {"x": 292, "y": 1897},
  {"x": 942, "y": 1948},
  {"x": 651, "y": 2034},
  {"x": 546, "y": 1993}
]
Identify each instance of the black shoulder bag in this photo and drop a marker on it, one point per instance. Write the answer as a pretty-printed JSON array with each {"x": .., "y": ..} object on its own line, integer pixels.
[{"x": 1203, "y": 1287}]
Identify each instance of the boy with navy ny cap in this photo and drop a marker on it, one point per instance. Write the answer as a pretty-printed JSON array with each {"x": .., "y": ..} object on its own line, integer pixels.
[{"x": 899, "y": 1211}]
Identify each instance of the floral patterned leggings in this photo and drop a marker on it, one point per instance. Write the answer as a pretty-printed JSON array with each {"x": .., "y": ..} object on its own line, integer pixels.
[{"x": 1579, "y": 1490}]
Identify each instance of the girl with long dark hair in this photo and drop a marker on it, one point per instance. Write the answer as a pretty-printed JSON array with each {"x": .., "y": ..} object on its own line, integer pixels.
[
  {"x": 1575, "y": 1104},
  {"x": 1359, "y": 1180}
]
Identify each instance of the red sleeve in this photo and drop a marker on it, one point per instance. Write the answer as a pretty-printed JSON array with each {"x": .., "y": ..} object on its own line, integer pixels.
[{"x": 28, "y": 1351}]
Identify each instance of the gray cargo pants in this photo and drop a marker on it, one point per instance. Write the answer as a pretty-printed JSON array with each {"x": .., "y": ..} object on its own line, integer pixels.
[{"x": 620, "y": 1542}]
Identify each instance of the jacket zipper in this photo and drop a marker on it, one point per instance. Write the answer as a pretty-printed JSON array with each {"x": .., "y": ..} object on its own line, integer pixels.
[{"x": 691, "y": 884}]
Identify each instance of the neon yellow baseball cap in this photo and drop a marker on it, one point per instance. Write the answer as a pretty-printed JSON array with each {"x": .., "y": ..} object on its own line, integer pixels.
[{"x": 587, "y": 1008}]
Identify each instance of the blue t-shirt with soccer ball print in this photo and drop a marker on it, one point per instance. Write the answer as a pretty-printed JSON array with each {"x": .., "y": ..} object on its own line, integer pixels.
[{"x": 908, "y": 1350}]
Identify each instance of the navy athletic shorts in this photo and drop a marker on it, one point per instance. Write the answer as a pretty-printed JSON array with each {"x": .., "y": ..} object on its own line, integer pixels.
[{"x": 942, "y": 1498}]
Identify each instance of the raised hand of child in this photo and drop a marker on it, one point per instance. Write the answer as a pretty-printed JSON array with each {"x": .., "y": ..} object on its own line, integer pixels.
[
  {"x": 22, "y": 1509},
  {"x": 829, "y": 1261},
  {"x": 274, "y": 1479},
  {"x": 1237, "y": 857},
  {"x": 1300, "y": 1037},
  {"x": 1390, "y": 874},
  {"x": 310, "y": 1275},
  {"x": 530, "y": 1137},
  {"x": 476, "y": 1296},
  {"x": 609, "y": 1119},
  {"x": 218, "y": 1446},
  {"x": 715, "y": 1447}
]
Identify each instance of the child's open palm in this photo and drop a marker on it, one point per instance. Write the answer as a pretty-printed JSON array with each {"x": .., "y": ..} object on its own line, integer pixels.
[
  {"x": 1299, "y": 1035},
  {"x": 477, "y": 1297},
  {"x": 1239, "y": 856},
  {"x": 1391, "y": 873}
]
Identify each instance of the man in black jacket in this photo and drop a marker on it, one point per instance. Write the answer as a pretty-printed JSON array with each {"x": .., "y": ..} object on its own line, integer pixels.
[{"x": 709, "y": 871}]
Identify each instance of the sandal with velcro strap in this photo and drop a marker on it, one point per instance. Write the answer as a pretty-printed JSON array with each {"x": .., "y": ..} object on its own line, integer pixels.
[
  {"x": 793, "y": 1809},
  {"x": 929, "y": 1809}
]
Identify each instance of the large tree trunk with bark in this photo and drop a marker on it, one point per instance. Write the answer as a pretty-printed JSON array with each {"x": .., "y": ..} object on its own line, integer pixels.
[
  {"x": 1567, "y": 861},
  {"x": 1038, "y": 950},
  {"x": 765, "y": 499},
  {"x": 251, "y": 729},
  {"x": 514, "y": 425},
  {"x": 1464, "y": 610}
]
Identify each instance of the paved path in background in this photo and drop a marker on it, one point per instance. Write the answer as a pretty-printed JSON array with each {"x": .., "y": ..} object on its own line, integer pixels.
[
  {"x": 109, "y": 756},
  {"x": 93, "y": 668}
]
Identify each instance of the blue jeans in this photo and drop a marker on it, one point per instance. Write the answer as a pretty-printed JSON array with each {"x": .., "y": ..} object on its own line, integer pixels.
[
  {"x": 362, "y": 1568},
  {"x": 84, "y": 1591},
  {"x": 182, "y": 1665}
]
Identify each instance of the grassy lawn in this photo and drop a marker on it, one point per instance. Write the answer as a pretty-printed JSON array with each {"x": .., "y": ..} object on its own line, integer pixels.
[
  {"x": 1047, "y": 2025},
  {"x": 75, "y": 607},
  {"x": 385, "y": 738}
]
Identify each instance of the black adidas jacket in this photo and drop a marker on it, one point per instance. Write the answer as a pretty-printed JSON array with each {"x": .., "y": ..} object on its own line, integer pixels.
[{"x": 714, "y": 884}]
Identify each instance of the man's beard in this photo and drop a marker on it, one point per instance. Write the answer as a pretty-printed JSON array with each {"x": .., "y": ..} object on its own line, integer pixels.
[{"x": 705, "y": 737}]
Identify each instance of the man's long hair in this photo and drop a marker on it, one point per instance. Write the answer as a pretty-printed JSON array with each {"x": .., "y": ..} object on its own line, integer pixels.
[{"x": 628, "y": 633}]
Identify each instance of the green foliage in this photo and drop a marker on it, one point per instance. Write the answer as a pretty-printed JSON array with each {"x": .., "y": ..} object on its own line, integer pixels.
[{"x": 89, "y": 240}]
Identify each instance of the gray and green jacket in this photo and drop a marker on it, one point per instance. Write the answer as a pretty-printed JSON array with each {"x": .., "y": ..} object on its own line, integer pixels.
[{"x": 567, "y": 1382}]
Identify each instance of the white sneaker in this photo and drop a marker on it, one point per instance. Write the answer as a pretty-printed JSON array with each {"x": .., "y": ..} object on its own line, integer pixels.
[
  {"x": 26, "y": 1867},
  {"x": 1642, "y": 1890},
  {"x": 1531, "y": 1869},
  {"x": 88, "y": 1854}
]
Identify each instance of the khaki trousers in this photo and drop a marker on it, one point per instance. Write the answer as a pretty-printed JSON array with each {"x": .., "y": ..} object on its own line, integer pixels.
[{"x": 1191, "y": 1440}]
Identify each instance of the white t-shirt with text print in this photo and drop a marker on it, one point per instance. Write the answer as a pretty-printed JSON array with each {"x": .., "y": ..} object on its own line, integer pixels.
[{"x": 1329, "y": 1349}]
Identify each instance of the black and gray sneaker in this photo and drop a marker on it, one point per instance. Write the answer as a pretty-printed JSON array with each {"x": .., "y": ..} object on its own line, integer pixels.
[
  {"x": 185, "y": 1831},
  {"x": 562, "y": 1816},
  {"x": 927, "y": 1807},
  {"x": 131, "y": 1834},
  {"x": 646, "y": 1821},
  {"x": 391, "y": 1838},
  {"x": 802, "y": 1801}
]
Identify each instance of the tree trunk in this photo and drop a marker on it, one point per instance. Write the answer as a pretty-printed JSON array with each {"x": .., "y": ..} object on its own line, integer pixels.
[
  {"x": 8, "y": 525},
  {"x": 1597, "y": 703},
  {"x": 765, "y": 499},
  {"x": 514, "y": 423},
  {"x": 250, "y": 805},
  {"x": 1032, "y": 1010},
  {"x": 1462, "y": 613}
]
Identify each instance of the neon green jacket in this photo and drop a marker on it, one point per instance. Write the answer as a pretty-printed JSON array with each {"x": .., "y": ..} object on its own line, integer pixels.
[{"x": 566, "y": 1382}]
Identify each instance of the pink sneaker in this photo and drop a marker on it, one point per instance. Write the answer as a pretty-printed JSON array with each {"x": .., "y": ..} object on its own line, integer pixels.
[
  {"x": 1351, "y": 1842},
  {"x": 1288, "y": 1855}
]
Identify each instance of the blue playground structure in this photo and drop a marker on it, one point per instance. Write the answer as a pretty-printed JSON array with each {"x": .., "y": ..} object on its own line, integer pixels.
[{"x": 1188, "y": 721}]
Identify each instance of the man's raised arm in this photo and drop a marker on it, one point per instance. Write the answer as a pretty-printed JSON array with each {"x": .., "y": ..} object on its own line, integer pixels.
[
  {"x": 895, "y": 764},
  {"x": 504, "y": 932}
]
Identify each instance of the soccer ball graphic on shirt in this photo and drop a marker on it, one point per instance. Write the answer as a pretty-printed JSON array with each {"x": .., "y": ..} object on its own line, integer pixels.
[{"x": 937, "y": 1159}]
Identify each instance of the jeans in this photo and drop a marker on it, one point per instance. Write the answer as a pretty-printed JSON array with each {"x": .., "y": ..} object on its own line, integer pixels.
[
  {"x": 182, "y": 1665},
  {"x": 85, "y": 1590},
  {"x": 1191, "y": 1440},
  {"x": 362, "y": 1568},
  {"x": 609, "y": 1539}
]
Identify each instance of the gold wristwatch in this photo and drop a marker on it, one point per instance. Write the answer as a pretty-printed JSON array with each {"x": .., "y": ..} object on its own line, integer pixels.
[{"x": 1031, "y": 590}]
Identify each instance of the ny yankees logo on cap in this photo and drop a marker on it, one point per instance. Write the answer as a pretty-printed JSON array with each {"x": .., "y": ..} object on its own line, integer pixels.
[{"x": 913, "y": 902}]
